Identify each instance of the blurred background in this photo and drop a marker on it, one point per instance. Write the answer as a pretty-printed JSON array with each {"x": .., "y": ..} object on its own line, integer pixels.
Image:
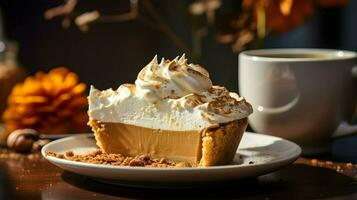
[
  {"x": 116, "y": 50},
  {"x": 107, "y": 42}
]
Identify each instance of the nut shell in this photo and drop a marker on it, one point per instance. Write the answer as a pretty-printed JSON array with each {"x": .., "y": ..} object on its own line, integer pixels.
[{"x": 22, "y": 140}]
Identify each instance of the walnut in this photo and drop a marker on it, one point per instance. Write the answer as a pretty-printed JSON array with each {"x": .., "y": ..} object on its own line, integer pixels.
[{"x": 22, "y": 140}]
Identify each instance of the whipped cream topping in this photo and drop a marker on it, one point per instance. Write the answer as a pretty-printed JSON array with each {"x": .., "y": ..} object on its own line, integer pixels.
[
  {"x": 171, "y": 79},
  {"x": 170, "y": 95}
]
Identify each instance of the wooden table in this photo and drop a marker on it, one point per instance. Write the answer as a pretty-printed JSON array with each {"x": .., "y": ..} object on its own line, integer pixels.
[{"x": 32, "y": 177}]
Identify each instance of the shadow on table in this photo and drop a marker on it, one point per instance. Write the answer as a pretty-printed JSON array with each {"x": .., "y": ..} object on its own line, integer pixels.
[
  {"x": 294, "y": 182},
  {"x": 5, "y": 183}
]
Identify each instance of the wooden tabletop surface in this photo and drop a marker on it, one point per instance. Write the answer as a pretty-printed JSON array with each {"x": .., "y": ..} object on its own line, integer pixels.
[{"x": 32, "y": 177}]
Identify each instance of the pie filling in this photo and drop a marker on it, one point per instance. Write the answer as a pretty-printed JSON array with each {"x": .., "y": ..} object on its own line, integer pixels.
[{"x": 211, "y": 146}]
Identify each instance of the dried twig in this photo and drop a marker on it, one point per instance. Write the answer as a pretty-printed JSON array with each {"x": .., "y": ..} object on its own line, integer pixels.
[
  {"x": 63, "y": 10},
  {"x": 85, "y": 19},
  {"x": 205, "y": 6}
]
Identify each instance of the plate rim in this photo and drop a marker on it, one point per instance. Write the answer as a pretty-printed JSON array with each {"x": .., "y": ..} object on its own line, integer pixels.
[{"x": 285, "y": 159}]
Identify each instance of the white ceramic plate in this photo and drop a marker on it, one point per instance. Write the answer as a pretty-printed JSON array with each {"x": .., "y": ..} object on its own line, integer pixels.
[{"x": 257, "y": 154}]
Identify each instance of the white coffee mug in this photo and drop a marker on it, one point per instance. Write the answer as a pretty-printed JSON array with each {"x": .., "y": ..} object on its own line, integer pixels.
[{"x": 304, "y": 95}]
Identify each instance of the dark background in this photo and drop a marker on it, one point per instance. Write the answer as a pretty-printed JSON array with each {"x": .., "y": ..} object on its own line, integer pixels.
[
  {"x": 112, "y": 54},
  {"x": 115, "y": 52}
]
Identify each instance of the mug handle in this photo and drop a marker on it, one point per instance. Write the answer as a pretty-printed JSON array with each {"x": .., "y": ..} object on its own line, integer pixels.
[{"x": 346, "y": 128}]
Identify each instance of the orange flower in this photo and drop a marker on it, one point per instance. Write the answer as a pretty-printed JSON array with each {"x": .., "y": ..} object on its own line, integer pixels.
[
  {"x": 50, "y": 103},
  {"x": 287, "y": 14},
  {"x": 284, "y": 15}
]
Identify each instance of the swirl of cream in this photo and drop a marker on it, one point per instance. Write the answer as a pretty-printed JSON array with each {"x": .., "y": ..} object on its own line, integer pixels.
[{"x": 171, "y": 79}]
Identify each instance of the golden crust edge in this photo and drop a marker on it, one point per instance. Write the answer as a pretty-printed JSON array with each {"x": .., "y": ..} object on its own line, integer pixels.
[{"x": 219, "y": 144}]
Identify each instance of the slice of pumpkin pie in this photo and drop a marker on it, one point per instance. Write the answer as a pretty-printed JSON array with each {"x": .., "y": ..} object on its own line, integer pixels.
[{"x": 173, "y": 112}]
